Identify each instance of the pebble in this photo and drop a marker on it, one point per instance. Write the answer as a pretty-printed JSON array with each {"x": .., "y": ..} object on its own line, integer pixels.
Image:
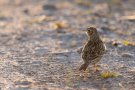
[{"x": 49, "y": 7}]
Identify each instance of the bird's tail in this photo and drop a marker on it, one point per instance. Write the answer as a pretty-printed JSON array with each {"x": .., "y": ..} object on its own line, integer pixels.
[{"x": 83, "y": 66}]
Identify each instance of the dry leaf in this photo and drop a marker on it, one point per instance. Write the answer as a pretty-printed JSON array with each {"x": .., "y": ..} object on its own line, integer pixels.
[
  {"x": 127, "y": 43},
  {"x": 108, "y": 74},
  {"x": 59, "y": 25},
  {"x": 40, "y": 19},
  {"x": 122, "y": 87},
  {"x": 130, "y": 18}
]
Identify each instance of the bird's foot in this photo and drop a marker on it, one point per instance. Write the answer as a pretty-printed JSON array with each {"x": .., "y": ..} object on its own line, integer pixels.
[
  {"x": 97, "y": 68},
  {"x": 85, "y": 74}
]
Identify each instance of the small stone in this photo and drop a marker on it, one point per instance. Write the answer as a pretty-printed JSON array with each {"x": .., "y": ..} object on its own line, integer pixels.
[
  {"x": 49, "y": 7},
  {"x": 116, "y": 44},
  {"x": 22, "y": 83},
  {"x": 26, "y": 11}
]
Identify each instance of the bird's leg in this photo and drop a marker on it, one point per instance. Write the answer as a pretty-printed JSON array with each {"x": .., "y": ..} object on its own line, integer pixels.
[
  {"x": 83, "y": 66},
  {"x": 85, "y": 74},
  {"x": 96, "y": 67}
]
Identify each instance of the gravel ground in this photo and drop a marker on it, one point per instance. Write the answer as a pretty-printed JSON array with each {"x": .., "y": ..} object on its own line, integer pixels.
[{"x": 39, "y": 40}]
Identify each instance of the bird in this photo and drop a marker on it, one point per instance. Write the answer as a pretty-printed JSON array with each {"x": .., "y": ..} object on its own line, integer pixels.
[{"x": 93, "y": 50}]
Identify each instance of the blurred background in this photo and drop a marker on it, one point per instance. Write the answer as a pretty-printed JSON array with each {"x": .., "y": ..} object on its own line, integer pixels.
[
  {"x": 113, "y": 18},
  {"x": 39, "y": 40}
]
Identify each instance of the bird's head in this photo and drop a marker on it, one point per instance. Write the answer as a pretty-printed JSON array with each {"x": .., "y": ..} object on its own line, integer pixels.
[{"x": 92, "y": 33}]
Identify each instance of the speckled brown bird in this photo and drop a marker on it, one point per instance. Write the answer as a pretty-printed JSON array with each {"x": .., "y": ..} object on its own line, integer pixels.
[{"x": 93, "y": 50}]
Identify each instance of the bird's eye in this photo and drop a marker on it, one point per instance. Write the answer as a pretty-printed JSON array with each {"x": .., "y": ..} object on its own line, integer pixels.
[{"x": 90, "y": 32}]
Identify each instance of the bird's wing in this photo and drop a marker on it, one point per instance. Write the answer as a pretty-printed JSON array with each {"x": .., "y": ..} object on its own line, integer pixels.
[{"x": 93, "y": 51}]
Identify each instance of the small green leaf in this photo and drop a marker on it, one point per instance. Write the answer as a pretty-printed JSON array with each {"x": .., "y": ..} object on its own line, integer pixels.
[
  {"x": 108, "y": 74},
  {"x": 126, "y": 42}
]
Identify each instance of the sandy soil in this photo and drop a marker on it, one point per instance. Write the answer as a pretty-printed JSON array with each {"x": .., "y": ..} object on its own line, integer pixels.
[{"x": 39, "y": 40}]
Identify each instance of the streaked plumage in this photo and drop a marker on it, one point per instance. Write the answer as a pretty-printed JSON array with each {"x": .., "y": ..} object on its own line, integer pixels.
[{"x": 93, "y": 50}]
